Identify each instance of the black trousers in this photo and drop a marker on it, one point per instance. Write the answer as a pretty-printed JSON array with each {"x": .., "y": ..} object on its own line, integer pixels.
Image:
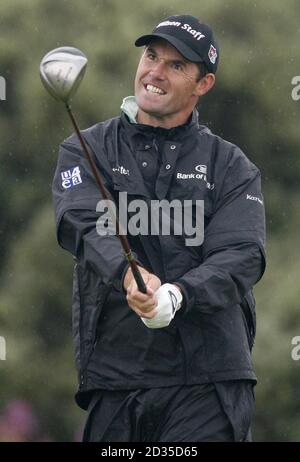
[{"x": 196, "y": 413}]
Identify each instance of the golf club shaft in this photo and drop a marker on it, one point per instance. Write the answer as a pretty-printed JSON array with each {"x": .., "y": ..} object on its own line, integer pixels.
[{"x": 124, "y": 241}]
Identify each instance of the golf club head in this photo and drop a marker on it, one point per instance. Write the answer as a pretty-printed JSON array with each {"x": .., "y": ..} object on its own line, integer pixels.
[{"x": 62, "y": 70}]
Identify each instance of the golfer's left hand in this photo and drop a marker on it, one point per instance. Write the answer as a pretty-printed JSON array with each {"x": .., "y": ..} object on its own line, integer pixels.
[{"x": 169, "y": 299}]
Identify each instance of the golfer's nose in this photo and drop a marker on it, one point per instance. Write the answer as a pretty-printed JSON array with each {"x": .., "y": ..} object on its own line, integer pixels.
[{"x": 158, "y": 69}]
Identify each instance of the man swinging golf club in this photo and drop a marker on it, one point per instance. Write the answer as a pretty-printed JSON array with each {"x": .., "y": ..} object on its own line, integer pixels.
[{"x": 168, "y": 360}]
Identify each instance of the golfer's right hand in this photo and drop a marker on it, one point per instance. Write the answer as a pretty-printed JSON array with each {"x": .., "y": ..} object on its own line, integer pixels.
[{"x": 142, "y": 304}]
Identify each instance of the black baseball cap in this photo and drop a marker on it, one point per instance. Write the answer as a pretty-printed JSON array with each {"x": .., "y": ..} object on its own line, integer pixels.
[{"x": 191, "y": 37}]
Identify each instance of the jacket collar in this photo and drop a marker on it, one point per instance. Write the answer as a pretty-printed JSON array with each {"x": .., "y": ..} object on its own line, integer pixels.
[{"x": 129, "y": 108}]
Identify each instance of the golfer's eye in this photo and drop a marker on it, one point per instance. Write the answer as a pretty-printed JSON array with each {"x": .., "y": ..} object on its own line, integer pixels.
[
  {"x": 177, "y": 66},
  {"x": 151, "y": 56}
]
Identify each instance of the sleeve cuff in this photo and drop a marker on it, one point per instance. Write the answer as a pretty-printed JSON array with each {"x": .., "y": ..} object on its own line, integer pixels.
[{"x": 187, "y": 294}]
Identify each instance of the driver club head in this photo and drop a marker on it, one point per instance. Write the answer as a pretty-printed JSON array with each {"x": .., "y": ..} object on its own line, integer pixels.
[{"x": 61, "y": 71}]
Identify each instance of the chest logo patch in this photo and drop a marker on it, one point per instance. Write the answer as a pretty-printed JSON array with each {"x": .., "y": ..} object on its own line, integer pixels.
[{"x": 200, "y": 175}]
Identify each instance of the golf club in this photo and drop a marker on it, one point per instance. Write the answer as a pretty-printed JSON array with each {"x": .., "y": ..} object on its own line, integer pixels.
[{"x": 61, "y": 71}]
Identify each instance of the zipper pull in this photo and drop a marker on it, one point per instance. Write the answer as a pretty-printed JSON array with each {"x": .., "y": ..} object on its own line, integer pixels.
[{"x": 154, "y": 144}]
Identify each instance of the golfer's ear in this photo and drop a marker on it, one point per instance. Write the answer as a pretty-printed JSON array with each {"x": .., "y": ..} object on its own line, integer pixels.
[{"x": 205, "y": 84}]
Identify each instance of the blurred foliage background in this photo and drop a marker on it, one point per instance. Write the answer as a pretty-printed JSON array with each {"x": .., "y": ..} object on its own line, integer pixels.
[{"x": 251, "y": 106}]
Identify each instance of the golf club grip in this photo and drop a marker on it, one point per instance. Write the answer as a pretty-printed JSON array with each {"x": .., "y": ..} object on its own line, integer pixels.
[
  {"x": 124, "y": 241},
  {"x": 135, "y": 270},
  {"x": 139, "y": 280}
]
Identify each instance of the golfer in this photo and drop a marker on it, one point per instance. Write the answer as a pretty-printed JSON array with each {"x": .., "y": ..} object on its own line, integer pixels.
[{"x": 173, "y": 364}]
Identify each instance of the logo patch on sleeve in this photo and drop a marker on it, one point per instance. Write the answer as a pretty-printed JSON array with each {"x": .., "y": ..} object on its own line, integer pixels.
[
  {"x": 71, "y": 178},
  {"x": 212, "y": 54}
]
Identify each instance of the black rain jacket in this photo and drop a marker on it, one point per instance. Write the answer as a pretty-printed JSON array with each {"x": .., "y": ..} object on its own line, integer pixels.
[{"x": 211, "y": 336}]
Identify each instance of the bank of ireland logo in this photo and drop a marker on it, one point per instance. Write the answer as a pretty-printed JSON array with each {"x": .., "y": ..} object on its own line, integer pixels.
[
  {"x": 212, "y": 54},
  {"x": 71, "y": 178},
  {"x": 201, "y": 169},
  {"x": 200, "y": 175}
]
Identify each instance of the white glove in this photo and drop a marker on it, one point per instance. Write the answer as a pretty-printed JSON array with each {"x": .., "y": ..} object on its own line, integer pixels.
[{"x": 169, "y": 300}]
